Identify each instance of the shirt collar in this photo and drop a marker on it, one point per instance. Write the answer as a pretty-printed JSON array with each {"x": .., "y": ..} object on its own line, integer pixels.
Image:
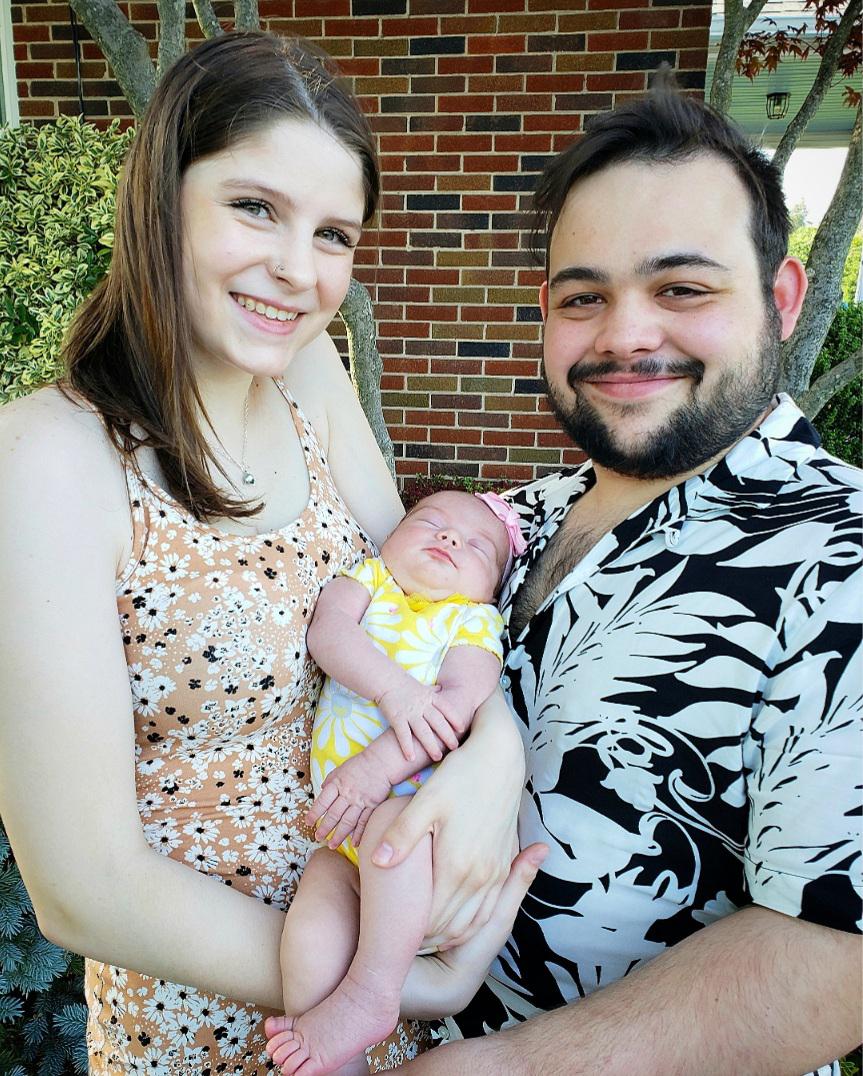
[{"x": 770, "y": 454}]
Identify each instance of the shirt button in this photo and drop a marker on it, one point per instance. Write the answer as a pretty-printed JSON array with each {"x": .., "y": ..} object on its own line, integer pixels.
[{"x": 672, "y": 537}]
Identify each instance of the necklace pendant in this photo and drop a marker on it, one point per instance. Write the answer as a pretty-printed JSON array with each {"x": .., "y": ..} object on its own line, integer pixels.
[{"x": 248, "y": 478}]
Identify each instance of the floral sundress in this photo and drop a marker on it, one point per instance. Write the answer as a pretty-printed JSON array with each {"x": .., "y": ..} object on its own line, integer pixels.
[{"x": 224, "y": 693}]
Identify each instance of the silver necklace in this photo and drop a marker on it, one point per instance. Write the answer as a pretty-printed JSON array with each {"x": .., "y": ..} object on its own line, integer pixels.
[{"x": 248, "y": 477}]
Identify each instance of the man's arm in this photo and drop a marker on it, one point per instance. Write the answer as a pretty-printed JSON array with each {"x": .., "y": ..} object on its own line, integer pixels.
[{"x": 758, "y": 992}]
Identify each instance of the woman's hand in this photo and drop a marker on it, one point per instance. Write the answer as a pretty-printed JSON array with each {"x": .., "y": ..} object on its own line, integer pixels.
[
  {"x": 470, "y": 807},
  {"x": 439, "y": 985}
]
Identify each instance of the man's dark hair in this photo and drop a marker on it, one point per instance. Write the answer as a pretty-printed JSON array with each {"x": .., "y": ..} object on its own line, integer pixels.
[{"x": 668, "y": 126}]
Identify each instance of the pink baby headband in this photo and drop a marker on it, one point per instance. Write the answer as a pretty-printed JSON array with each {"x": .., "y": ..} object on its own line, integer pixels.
[{"x": 509, "y": 517}]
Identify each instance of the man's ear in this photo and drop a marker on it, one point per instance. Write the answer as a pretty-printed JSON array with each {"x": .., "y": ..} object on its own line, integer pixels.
[
  {"x": 789, "y": 291},
  {"x": 543, "y": 299}
]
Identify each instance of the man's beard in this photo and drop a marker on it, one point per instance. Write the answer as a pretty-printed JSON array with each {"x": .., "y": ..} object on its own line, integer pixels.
[{"x": 699, "y": 430}]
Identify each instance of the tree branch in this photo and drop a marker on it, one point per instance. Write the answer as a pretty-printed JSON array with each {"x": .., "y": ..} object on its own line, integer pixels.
[
  {"x": 246, "y": 15},
  {"x": 826, "y": 70},
  {"x": 172, "y": 34},
  {"x": 824, "y": 388},
  {"x": 366, "y": 365},
  {"x": 737, "y": 20},
  {"x": 122, "y": 46},
  {"x": 824, "y": 269},
  {"x": 207, "y": 18}
]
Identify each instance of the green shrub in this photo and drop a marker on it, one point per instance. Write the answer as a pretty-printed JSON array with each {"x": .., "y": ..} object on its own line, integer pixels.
[
  {"x": 57, "y": 207},
  {"x": 838, "y": 422},
  {"x": 42, "y": 1014},
  {"x": 57, "y": 187}
]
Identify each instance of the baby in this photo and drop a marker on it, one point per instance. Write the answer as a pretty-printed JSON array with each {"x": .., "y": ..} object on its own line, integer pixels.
[{"x": 411, "y": 646}]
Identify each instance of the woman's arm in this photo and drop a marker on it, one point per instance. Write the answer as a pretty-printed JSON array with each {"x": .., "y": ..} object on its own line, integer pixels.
[
  {"x": 318, "y": 380},
  {"x": 67, "y": 778}
]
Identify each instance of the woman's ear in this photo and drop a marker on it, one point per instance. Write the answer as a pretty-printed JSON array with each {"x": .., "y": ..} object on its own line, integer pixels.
[{"x": 789, "y": 291}]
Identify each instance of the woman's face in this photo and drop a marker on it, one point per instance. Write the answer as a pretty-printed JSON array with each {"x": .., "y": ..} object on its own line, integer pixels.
[{"x": 269, "y": 230}]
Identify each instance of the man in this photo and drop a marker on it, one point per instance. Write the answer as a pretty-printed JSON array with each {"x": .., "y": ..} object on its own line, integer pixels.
[{"x": 683, "y": 641}]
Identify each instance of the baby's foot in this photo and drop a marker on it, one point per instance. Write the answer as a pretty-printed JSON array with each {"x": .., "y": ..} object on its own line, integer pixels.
[{"x": 333, "y": 1033}]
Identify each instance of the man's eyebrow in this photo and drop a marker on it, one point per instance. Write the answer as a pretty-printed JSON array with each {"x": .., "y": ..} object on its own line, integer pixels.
[
  {"x": 685, "y": 259},
  {"x": 579, "y": 272}
]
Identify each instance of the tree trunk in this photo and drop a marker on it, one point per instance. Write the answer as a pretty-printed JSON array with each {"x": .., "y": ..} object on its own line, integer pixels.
[
  {"x": 207, "y": 18},
  {"x": 123, "y": 47},
  {"x": 246, "y": 15},
  {"x": 822, "y": 391},
  {"x": 172, "y": 34},
  {"x": 737, "y": 20},
  {"x": 824, "y": 269},
  {"x": 365, "y": 362},
  {"x": 826, "y": 71}
]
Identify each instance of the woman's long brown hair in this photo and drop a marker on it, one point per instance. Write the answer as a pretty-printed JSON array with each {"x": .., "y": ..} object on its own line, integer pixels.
[{"x": 128, "y": 349}]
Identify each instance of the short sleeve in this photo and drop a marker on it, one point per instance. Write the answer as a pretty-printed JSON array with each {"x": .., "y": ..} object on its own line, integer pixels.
[
  {"x": 482, "y": 626},
  {"x": 370, "y": 572},
  {"x": 803, "y": 754}
]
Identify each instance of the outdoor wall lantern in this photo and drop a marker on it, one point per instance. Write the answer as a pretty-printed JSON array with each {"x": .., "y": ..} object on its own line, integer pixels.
[{"x": 777, "y": 104}]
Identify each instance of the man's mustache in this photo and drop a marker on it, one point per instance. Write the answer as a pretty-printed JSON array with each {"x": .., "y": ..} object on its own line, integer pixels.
[{"x": 652, "y": 367}]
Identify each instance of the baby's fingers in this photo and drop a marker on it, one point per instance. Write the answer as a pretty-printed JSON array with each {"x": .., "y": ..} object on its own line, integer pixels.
[
  {"x": 323, "y": 801},
  {"x": 360, "y": 827},
  {"x": 345, "y": 827},
  {"x": 442, "y": 728},
  {"x": 427, "y": 739},
  {"x": 403, "y": 734}
]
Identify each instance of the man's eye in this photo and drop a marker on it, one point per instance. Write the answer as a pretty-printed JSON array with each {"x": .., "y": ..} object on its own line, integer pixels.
[
  {"x": 681, "y": 291},
  {"x": 582, "y": 301},
  {"x": 254, "y": 207},
  {"x": 336, "y": 235}
]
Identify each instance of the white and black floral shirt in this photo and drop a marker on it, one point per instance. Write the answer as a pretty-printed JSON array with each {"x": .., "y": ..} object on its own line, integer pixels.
[{"x": 690, "y": 703}]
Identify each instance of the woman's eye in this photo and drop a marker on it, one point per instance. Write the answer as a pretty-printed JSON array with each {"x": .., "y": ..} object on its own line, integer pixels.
[
  {"x": 336, "y": 235},
  {"x": 254, "y": 207}
]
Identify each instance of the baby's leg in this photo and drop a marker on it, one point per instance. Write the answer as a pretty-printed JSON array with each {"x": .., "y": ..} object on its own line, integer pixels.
[
  {"x": 320, "y": 934},
  {"x": 364, "y": 1007}
]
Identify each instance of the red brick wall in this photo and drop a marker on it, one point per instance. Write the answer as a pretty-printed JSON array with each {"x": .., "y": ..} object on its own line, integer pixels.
[{"x": 468, "y": 99}]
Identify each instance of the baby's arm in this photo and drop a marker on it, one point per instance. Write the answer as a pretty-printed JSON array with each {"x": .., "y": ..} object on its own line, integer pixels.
[
  {"x": 340, "y": 645},
  {"x": 468, "y": 675}
]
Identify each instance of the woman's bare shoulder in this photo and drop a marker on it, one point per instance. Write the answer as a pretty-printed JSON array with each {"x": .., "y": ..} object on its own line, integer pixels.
[{"x": 55, "y": 451}]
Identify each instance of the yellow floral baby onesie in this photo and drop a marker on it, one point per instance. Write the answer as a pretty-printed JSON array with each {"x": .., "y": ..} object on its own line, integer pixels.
[{"x": 417, "y": 634}]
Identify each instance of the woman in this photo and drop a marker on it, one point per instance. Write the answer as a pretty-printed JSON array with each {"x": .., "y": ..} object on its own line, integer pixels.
[{"x": 176, "y": 480}]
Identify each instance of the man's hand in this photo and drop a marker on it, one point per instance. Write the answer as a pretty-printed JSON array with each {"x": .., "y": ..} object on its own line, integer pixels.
[
  {"x": 347, "y": 798},
  {"x": 410, "y": 710}
]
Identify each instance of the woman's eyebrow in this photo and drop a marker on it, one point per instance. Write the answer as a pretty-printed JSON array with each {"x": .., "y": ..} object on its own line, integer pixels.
[{"x": 280, "y": 198}]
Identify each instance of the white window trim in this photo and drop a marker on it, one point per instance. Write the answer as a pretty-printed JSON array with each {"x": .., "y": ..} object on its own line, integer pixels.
[{"x": 7, "y": 64}]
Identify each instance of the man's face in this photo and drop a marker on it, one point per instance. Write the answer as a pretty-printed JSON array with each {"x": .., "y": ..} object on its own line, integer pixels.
[{"x": 659, "y": 348}]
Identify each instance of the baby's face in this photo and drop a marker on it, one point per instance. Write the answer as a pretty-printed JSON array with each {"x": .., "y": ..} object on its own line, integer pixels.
[{"x": 449, "y": 543}]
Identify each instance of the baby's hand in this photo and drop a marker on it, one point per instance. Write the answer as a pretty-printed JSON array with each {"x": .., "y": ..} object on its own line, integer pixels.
[
  {"x": 456, "y": 707},
  {"x": 410, "y": 710},
  {"x": 347, "y": 798}
]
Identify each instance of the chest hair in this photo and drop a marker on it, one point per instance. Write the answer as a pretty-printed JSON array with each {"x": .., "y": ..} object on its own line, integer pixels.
[{"x": 572, "y": 541}]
